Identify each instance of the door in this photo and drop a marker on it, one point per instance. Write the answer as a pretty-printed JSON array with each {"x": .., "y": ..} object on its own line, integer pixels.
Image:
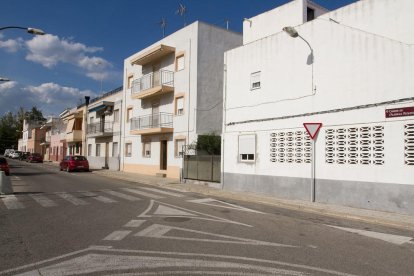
[
  {"x": 155, "y": 118},
  {"x": 102, "y": 126},
  {"x": 106, "y": 155},
  {"x": 163, "y": 157},
  {"x": 156, "y": 78}
]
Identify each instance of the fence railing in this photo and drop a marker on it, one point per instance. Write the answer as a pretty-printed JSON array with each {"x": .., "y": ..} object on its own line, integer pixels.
[
  {"x": 202, "y": 167},
  {"x": 152, "y": 121},
  {"x": 157, "y": 78},
  {"x": 101, "y": 127}
]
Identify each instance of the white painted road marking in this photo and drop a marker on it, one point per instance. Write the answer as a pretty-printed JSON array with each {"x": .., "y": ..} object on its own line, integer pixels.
[
  {"x": 162, "y": 192},
  {"x": 43, "y": 201},
  {"x": 121, "y": 195},
  {"x": 99, "y": 198},
  {"x": 117, "y": 235},
  {"x": 222, "y": 204},
  {"x": 12, "y": 202},
  {"x": 72, "y": 199},
  {"x": 134, "y": 223},
  {"x": 160, "y": 231},
  {"x": 395, "y": 239},
  {"x": 142, "y": 193}
]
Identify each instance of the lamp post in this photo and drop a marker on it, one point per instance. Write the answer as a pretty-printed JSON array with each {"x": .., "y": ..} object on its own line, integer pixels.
[
  {"x": 29, "y": 30},
  {"x": 293, "y": 33}
]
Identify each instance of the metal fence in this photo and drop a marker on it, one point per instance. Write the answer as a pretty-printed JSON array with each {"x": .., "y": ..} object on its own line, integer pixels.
[
  {"x": 161, "y": 119},
  {"x": 100, "y": 127},
  {"x": 161, "y": 77},
  {"x": 202, "y": 167}
]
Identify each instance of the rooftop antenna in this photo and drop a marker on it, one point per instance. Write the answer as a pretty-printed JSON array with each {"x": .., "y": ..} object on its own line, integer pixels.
[
  {"x": 182, "y": 10},
  {"x": 163, "y": 25}
]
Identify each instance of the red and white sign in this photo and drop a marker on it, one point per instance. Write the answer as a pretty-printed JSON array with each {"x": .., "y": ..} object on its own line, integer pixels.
[
  {"x": 399, "y": 112},
  {"x": 312, "y": 129}
]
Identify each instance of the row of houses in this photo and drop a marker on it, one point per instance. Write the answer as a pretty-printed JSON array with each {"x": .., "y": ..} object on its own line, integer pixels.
[{"x": 348, "y": 69}]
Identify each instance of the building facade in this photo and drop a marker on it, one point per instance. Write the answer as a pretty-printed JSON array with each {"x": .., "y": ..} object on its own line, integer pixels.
[
  {"x": 54, "y": 143},
  {"x": 349, "y": 69},
  {"x": 173, "y": 93},
  {"x": 103, "y": 130},
  {"x": 75, "y": 136}
]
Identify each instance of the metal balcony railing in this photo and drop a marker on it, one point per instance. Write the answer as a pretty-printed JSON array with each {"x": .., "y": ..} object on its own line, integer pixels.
[
  {"x": 154, "y": 79},
  {"x": 152, "y": 121},
  {"x": 100, "y": 128}
]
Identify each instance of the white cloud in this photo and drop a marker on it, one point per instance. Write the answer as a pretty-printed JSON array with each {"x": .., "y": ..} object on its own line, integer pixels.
[
  {"x": 51, "y": 98},
  {"x": 11, "y": 45}
]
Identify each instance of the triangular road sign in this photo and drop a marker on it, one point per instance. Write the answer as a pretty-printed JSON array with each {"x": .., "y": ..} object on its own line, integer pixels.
[{"x": 312, "y": 129}]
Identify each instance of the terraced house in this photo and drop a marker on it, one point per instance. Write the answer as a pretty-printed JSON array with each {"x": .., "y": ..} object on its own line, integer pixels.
[
  {"x": 75, "y": 122},
  {"x": 173, "y": 93}
]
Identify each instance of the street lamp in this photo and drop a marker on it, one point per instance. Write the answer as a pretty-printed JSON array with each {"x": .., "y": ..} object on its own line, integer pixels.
[
  {"x": 293, "y": 33},
  {"x": 29, "y": 30}
]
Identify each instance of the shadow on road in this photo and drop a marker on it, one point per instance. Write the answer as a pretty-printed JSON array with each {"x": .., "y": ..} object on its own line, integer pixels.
[{"x": 32, "y": 173}]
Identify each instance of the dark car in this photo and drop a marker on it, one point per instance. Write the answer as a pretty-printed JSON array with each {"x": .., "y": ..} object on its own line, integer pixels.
[
  {"x": 24, "y": 156},
  {"x": 35, "y": 157},
  {"x": 4, "y": 166},
  {"x": 74, "y": 163}
]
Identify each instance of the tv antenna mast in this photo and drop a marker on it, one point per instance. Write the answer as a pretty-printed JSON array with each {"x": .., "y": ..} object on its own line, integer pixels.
[
  {"x": 182, "y": 10},
  {"x": 163, "y": 25}
]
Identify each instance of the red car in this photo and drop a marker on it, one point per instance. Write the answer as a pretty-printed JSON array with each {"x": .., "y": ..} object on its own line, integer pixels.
[
  {"x": 4, "y": 166},
  {"x": 74, "y": 163},
  {"x": 35, "y": 157}
]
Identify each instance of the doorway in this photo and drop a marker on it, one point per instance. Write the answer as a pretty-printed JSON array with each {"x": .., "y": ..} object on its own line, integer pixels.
[
  {"x": 156, "y": 79},
  {"x": 163, "y": 155},
  {"x": 106, "y": 155}
]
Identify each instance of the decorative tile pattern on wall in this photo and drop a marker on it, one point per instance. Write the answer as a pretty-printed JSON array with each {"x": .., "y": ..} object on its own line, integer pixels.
[
  {"x": 355, "y": 145},
  {"x": 409, "y": 144},
  {"x": 290, "y": 147}
]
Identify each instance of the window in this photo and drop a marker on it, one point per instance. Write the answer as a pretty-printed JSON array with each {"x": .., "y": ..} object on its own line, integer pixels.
[
  {"x": 179, "y": 144},
  {"x": 179, "y": 62},
  {"x": 89, "y": 150},
  {"x": 91, "y": 120},
  {"x": 146, "y": 149},
  {"x": 98, "y": 150},
  {"x": 310, "y": 14},
  {"x": 255, "y": 80},
  {"x": 114, "y": 149},
  {"x": 116, "y": 116},
  {"x": 130, "y": 80},
  {"x": 179, "y": 106},
  {"x": 129, "y": 114},
  {"x": 247, "y": 147},
  {"x": 128, "y": 149}
]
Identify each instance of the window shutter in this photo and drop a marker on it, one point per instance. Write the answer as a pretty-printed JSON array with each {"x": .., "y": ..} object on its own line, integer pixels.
[{"x": 247, "y": 144}]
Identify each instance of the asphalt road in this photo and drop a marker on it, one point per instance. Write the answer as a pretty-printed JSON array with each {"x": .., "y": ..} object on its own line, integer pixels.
[{"x": 59, "y": 223}]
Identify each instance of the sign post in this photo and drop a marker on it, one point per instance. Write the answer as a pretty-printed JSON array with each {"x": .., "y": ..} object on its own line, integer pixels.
[{"x": 313, "y": 129}]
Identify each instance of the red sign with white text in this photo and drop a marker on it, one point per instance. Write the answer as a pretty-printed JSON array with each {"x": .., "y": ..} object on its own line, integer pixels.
[
  {"x": 399, "y": 112},
  {"x": 312, "y": 129}
]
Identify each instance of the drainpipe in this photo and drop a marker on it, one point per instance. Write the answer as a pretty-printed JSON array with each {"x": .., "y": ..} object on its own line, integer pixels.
[
  {"x": 120, "y": 134},
  {"x": 224, "y": 119}
]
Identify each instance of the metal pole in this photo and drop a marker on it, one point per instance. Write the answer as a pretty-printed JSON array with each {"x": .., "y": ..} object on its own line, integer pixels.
[{"x": 313, "y": 172}]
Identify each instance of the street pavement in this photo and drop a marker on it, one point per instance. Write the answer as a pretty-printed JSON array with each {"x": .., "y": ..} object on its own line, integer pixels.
[{"x": 59, "y": 223}]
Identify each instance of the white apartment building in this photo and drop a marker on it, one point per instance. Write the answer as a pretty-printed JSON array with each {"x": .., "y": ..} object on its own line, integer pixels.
[
  {"x": 173, "y": 93},
  {"x": 351, "y": 70},
  {"x": 103, "y": 130}
]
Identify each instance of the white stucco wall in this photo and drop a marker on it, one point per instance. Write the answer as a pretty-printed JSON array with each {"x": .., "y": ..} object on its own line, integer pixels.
[{"x": 351, "y": 68}]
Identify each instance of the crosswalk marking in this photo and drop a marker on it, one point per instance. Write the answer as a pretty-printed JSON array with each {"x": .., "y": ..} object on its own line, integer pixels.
[
  {"x": 154, "y": 196},
  {"x": 134, "y": 223},
  {"x": 117, "y": 235},
  {"x": 121, "y": 195},
  {"x": 163, "y": 192},
  {"x": 12, "y": 202},
  {"x": 98, "y": 197},
  {"x": 42, "y": 200},
  {"x": 72, "y": 199}
]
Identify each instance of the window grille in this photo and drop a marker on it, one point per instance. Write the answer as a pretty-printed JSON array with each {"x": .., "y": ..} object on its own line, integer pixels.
[
  {"x": 290, "y": 147},
  {"x": 409, "y": 144}
]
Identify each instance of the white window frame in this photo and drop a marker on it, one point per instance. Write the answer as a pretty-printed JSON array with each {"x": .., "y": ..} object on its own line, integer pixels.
[
  {"x": 98, "y": 150},
  {"x": 247, "y": 148},
  {"x": 179, "y": 110},
  {"x": 115, "y": 149},
  {"x": 180, "y": 63},
  {"x": 144, "y": 149},
  {"x": 178, "y": 151},
  {"x": 255, "y": 82},
  {"x": 89, "y": 149},
  {"x": 116, "y": 116},
  {"x": 128, "y": 149}
]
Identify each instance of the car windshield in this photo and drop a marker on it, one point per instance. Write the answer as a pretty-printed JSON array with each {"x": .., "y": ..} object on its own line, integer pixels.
[{"x": 78, "y": 158}]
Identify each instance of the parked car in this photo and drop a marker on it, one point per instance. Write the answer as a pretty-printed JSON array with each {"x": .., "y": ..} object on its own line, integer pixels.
[
  {"x": 4, "y": 166},
  {"x": 16, "y": 154},
  {"x": 74, "y": 163},
  {"x": 34, "y": 157},
  {"x": 24, "y": 155},
  {"x": 7, "y": 152}
]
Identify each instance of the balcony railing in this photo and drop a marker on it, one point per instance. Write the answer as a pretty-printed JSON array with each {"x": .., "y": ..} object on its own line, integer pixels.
[
  {"x": 160, "y": 120},
  {"x": 154, "y": 79},
  {"x": 101, "y": 128}
]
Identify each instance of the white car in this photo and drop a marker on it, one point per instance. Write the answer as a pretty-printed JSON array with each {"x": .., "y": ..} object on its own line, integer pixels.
[
  {"x": 15, "y": 155},
  {"x": 8, "y": 152}
]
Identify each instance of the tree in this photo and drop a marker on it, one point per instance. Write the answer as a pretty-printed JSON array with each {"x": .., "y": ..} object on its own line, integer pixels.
[{"x": 210, "y": 143}]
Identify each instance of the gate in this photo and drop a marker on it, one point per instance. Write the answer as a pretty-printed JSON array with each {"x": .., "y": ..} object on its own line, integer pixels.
[{"x": 202, "y": 167}]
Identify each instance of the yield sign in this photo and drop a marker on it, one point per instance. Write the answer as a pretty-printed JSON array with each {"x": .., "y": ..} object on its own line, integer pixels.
[{"x": 312, "y": 129}]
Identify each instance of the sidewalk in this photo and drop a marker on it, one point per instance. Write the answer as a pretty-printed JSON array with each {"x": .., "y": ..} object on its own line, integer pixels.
[{"x": 364, "y": 215}]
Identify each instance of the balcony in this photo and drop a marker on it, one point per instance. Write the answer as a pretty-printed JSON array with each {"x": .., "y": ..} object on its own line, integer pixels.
[
  {"x": 45, "y": 141},
  {"x": 153, "y": 54},
  {"x": 100, "y": 129},
  {"x": 152, "y": 124},
  {"x": 153, "y": 84},
  {"x": 74, "y": 136}
]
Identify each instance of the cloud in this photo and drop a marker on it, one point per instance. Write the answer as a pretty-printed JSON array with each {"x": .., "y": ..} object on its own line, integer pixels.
[
  {"x": 7, "y": 86},
  {"x": 11, "y": 45},
  {"x": 51, "y": 98}
]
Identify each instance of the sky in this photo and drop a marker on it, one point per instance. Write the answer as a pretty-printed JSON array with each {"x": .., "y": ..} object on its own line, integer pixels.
[{"x": 87, "y": 41}]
